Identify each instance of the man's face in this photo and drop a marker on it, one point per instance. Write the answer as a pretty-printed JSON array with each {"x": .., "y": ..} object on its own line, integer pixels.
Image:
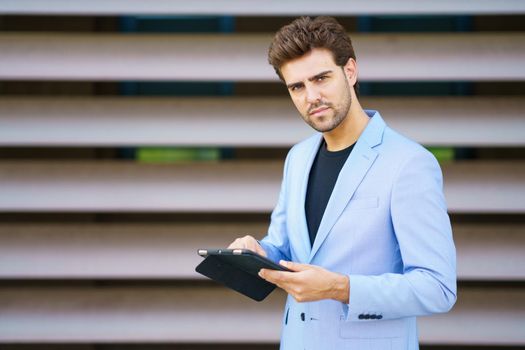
[{"x": 319, "y": 88}]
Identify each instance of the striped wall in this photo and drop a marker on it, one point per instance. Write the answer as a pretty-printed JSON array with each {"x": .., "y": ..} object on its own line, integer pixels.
[{"x": 133, "y": 133}]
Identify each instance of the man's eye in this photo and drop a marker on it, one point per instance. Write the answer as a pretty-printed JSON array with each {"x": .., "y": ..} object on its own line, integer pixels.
[
  {"x": 321, "y": 78},
  {"x": 295, "y": 88}
]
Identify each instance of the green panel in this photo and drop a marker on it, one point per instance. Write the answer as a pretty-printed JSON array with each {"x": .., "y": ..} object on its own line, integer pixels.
[
  {"x": 175, "y": 155},
  {"x": 443, "y": 154}
]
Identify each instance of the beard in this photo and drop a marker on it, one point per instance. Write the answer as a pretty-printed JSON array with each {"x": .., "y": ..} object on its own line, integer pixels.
[{"x": 338, "y": 115}]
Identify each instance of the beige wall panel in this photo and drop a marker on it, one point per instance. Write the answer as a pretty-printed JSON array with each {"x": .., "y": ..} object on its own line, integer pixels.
[
  {"x": 268, "y": 122},
  {"x": 150, "y": 121},
  {"x": 485, "y": 187},
  {"x": 128, "y": 186},
  {"x": 112, "y": 250},
  {"x": 481, "y": 317},
  {"x": 157, "y": 251},
  {"x": 149, "y": 314},
  {"x": 490, "y": 251},
  {"x": 453, "y": 121},
  {"x": 213, "y": 314},
  {"x": 68, "y": 186},
  {"x": 103, "y": 57},
  {"x": 258, "y": 8}
]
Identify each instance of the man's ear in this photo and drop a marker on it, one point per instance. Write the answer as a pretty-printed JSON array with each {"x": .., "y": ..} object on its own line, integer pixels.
[{"x": 350, "y": 69}]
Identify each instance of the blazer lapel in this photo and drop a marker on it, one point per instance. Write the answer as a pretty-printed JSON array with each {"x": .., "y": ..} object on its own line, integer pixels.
[
  {"x": 303, "y": 226},
  {"x": 354, "y": 170}
]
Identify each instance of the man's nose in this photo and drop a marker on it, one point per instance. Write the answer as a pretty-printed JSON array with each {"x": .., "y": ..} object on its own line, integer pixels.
[{"x": 313, "y": 95}]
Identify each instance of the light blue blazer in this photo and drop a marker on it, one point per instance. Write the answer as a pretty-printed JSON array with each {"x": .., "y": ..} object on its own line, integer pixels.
[{"x": 385, "y": 226}]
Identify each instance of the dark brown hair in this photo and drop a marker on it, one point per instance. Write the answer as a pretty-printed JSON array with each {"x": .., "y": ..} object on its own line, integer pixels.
[{"x": 304, "y": 34}]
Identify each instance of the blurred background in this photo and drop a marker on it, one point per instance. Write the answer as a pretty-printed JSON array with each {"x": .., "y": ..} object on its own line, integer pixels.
[{"x": 133, "y": 133}]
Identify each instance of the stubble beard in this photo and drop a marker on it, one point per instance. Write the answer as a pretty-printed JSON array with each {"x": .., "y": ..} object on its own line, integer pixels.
[{"x": 339, "y": 114}]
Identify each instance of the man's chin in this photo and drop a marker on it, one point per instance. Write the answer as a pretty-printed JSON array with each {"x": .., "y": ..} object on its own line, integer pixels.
[
  {"x": 323, "y": 128},
  {"x": 321, "y": 124},
  {"x": 325, "y": 123}
]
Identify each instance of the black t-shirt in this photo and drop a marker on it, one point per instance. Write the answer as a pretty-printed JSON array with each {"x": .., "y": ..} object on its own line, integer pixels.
[{"x": 321, "y": 182}]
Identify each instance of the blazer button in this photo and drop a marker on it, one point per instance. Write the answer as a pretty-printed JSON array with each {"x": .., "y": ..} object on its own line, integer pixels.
[
  {"x": 302, "y": 316},
  {"x": 379, "y": 317},
  {"x": 361, "y": 317}
]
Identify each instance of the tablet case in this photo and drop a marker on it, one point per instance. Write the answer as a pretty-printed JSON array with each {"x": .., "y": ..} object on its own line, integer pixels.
[{"x": 227, "y": 270}]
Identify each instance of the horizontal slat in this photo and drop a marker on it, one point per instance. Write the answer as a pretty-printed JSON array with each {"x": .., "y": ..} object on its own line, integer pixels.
[
  {"x": 257, "y": 8},
  {"x": 476, "y": 320},
  {"x": 26, "y": 121},
  {"x": 125, "y": 186},
  {"x": 103, "y": 57},
  {"x": 112, "y": 250},
  {"x": 490, "y": 251},
  {"x": 470, "y": 187},
  {"x": 192, "y": 315},
  {"x": 168, "y": 251},
  {"x": 136, "y": 315},
  {"x": 480, "y": 187}
]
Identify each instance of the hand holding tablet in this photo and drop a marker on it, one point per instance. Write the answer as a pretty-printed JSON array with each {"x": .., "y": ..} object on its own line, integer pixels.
[{"x": 238, "y": 269}]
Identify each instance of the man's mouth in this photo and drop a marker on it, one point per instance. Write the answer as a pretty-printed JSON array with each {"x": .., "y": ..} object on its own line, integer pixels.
[{"x": 319, "y": 110}]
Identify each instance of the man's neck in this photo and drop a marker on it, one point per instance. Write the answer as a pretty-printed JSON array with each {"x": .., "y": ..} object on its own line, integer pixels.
[{"x": 348, "y": 131}]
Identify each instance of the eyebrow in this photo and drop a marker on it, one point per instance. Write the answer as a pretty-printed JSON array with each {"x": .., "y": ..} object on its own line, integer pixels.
[{"x": 318, "y": 75}]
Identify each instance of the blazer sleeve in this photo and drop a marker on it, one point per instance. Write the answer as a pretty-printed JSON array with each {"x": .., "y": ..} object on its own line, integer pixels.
[
  {"x": 276, "y": 242},
  {"x": 422, "y": 228}
]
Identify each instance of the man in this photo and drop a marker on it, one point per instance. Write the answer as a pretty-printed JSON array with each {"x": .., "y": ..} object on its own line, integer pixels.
[{"x": 361, "y": 217}]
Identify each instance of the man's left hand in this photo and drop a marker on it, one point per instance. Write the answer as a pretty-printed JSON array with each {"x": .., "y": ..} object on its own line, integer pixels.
[{"x": 309, "y": 282}]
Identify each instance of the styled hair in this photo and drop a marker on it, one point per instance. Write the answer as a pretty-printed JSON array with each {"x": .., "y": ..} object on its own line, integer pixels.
[{"x": 304, "y": 34}]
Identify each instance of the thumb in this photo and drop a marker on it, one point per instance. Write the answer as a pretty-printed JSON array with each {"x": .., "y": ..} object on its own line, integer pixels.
[{"x": 294, "y": 266}]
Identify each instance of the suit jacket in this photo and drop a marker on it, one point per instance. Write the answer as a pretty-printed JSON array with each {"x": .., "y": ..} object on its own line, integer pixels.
[{"x": 385, "y": 226}]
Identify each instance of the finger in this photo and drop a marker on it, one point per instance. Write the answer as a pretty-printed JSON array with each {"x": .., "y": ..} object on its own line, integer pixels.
[
  {"x": 275, "y": 277},
  {"x": 269, "y": 276},
  {"x": 237, "y": 244},
  {"x": 295, "y": 266},
  {"x": 246, "y": 242},
  {"x": 266, "y": 274},
  {"x": 253, "y": 245},
  {"x": 259, "y": 250},
  {"x": 233, "y": 245}
]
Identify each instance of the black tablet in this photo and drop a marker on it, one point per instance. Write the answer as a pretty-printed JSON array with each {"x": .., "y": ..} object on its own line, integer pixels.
[{"x": 238, "y": 269}]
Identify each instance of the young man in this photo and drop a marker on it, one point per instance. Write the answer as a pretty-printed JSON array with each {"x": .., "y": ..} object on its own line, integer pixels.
[{"x": 361, "y": 217}]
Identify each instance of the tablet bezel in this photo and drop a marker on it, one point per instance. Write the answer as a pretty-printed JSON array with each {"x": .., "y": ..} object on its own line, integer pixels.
[{"x": 263, "y": 262}]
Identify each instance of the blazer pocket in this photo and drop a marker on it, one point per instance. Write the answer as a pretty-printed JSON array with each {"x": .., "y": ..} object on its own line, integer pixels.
[
  {"x": 364, "y": 202},
  {"x": 372, "y": 329}
]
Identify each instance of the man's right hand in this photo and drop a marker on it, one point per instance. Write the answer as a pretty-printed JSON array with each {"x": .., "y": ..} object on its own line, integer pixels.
[{"x": 247, "y": 242}]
